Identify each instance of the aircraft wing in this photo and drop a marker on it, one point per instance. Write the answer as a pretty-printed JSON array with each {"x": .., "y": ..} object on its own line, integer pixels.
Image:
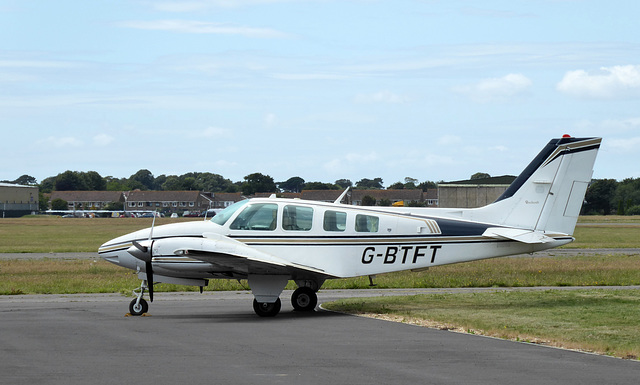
[
  {"x": 230, "y": 256},
  {"x": 520, "y": 235}
]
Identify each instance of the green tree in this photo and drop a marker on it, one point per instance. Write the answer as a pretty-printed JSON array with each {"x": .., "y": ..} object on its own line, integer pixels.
[
  {"x": 70, "y": 181},
  {"x": 43, "y": 202},
  {"x": 213, "y": 182},
  {"x": 294, "y": 184},
  {"x": 190, "y": 183},
  {"x": 258, "y": 183},
  {"x": 627, "y": 194},
  {"x": 159, "y": 181},
  {"x": 480, "y": 175},
  {"x": 375, "y": 184},
  {"x": 343, "y": 183},
  {"x": 600, "y": 195},
  {"x": 426, "y": 185},
  {"x": 368, "y": 200},
  {"x": 320, "y": 186},
  {"x": 48, "y": 184},
  {"x": 172, "y": 183},
  {"x": 59, "y": 204},
  {"x": 94, "y": 181},
  {"x": 410, "y": 183},
  {"x": 144, "y": 178},
  {"x": 396, "y": 186},
  {"x": 115, "y": 184},
  {"x": 26, "y": 180}
]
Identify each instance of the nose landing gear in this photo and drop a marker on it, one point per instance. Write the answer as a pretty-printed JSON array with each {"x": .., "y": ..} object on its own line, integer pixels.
[{"x": 139, "y": 305}]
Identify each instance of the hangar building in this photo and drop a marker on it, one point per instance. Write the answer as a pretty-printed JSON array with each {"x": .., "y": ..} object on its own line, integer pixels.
[
  {"x": 18, "y": 200},
  {"x": 472, "y": 193}
]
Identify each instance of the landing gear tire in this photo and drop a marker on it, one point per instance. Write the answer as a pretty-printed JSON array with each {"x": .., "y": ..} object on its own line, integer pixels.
[
  {"x": 138, "y": 309},
  {"x": 265, "y": 309},
  {"x": 304, "y": 299}
]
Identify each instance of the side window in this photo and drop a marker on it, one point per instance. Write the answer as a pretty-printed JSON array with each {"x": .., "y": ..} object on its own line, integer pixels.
[
  {"x": 256, "y": 217},
  {"x": 297, "y": 218},
  {"x": 367, "y": 223},
  {"x": 334, "y": 221}
]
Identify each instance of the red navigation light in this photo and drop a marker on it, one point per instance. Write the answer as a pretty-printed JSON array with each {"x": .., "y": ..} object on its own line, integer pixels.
[{"x": 566, "y": 136}]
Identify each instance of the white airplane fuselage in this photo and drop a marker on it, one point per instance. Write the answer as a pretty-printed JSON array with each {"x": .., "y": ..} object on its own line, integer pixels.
[{"x": 270, "y": 241}]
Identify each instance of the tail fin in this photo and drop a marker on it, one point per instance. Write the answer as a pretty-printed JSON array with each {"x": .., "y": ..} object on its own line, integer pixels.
[{"x": 548, "y": 195}]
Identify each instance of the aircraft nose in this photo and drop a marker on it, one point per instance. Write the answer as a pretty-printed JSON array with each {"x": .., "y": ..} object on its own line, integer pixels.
[{"x": 108, "y": 253}]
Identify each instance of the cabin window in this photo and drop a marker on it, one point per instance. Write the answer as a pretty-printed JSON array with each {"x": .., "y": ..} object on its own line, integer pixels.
[
  {"x": 223, "y": 216},
  {"x": 334, "y": 221},
  {"x": 257, "y": 217},
  {"x": 297, "y": 218},
  {"x": 367, "y": 223}
]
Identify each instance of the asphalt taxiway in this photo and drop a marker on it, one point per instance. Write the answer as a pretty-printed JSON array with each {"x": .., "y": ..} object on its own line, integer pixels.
[{"x": 216, "y": 338}]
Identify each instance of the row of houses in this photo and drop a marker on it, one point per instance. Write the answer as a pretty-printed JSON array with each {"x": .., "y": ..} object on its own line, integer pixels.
[
  {"x": 458, "y": 194},
  {"x": 197, "y": 201},
  {"x": 164, "y": 201}
]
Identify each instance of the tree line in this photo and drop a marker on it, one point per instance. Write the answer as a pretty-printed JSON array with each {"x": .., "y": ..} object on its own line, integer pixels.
[
  {"x": 201, "y": 181},
  {"x": 609, "y": 196}
]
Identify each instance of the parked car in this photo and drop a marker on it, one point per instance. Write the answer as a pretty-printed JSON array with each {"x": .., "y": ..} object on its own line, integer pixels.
[{"x": 209, "y": 213}]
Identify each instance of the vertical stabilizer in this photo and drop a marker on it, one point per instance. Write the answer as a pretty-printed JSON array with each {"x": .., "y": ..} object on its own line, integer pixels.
[{"x": 548, "y": 195}]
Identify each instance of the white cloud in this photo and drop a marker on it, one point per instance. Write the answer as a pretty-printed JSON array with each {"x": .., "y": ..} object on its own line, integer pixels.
[
  {"x": 310, "y": 76},
  {"x": 449, "y": 140},
  {"x": 67, "y": 141},
  {"x": 348, "y": 163},
  {"x": 202, "y": 27},
  {"x": 496, "y": 89},
  {"x": 103, "y": 140},
  {"x": 211, "y": 132},
  {"x": 609, "y": 83},
  {"x": 190, "y": 6},
  {"x": 624, "y": 145},
  {"x": 609, "y": 126},
  {"x": 270, "y": 119},
  {"x": 381, "y": 97}
]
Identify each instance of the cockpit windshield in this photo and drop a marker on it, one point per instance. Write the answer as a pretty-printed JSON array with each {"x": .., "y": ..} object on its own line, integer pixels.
[{"x": 223, "y": 216}]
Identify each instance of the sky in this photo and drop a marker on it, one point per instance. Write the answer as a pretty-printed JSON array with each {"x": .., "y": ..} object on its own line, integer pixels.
[{"x": 320, "y": 89}]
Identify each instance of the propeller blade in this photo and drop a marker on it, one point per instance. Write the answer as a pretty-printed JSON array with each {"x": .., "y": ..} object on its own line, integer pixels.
[{"x": 149, "y": 279}]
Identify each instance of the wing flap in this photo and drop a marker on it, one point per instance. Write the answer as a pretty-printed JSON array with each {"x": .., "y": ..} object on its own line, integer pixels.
[{"x": 520, "y": 235}]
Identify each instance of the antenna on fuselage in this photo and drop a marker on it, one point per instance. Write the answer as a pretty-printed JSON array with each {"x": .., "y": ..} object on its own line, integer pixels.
[{"x": 341, "y": 197}]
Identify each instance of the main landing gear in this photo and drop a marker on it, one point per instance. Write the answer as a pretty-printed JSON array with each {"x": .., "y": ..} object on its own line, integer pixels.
[
  {"x": 139, "y": 305},
  {"x": 265, "y": 309},
  {"x": 303, "y": 299}
]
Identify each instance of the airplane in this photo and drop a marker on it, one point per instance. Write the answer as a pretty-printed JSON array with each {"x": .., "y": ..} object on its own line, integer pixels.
[{"x": 271, "y": 241}]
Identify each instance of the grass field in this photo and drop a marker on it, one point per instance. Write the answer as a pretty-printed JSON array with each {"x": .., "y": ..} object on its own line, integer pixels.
[{"x": 49, "y": 234}]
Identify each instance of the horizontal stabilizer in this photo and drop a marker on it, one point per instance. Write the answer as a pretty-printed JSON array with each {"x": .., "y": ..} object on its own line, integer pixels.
[{"x": 520, "y": 235}]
